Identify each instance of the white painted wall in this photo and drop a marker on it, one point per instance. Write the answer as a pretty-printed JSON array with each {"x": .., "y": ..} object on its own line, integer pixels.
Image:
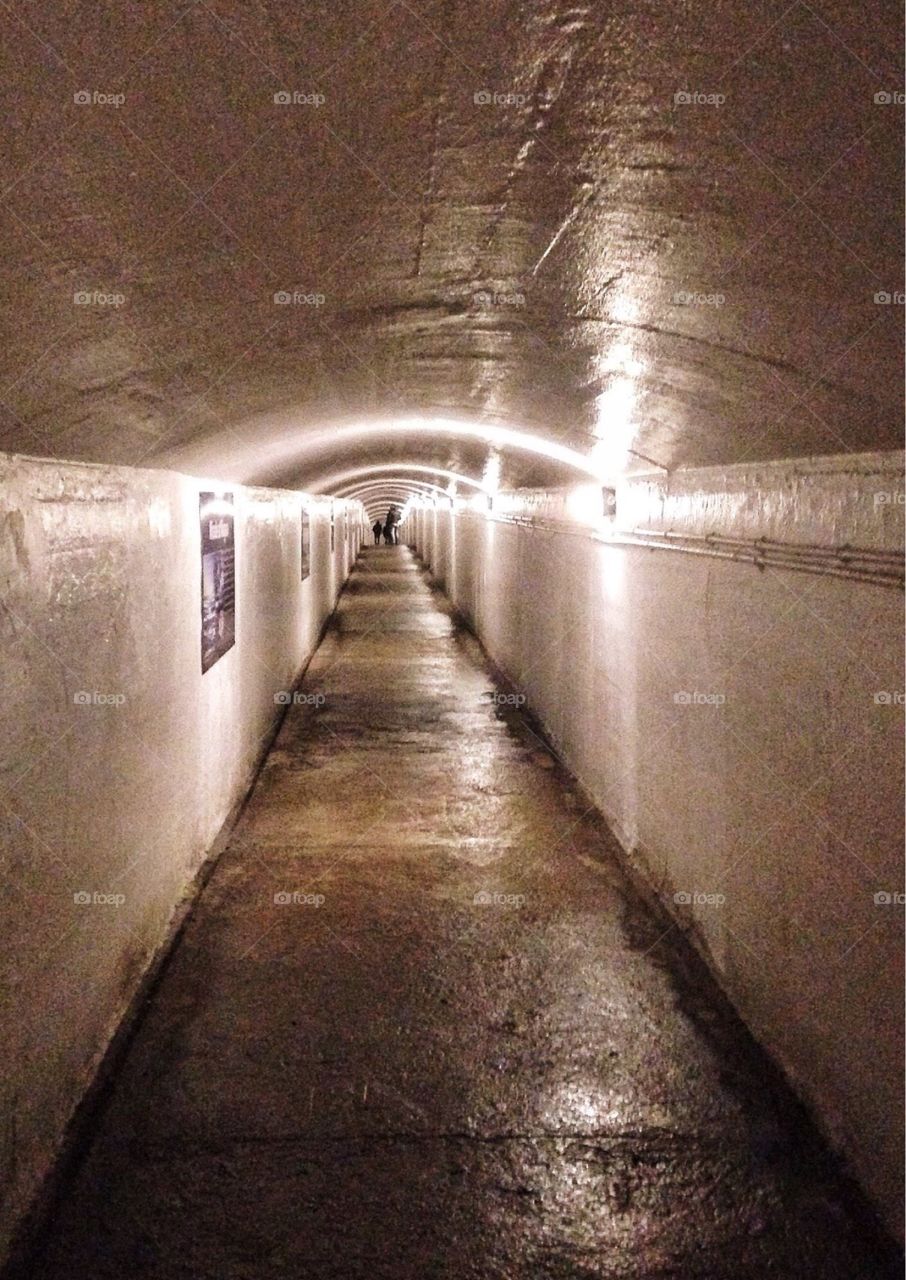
[
  {"x": 784, "y": 795},
  {"x": 99, "y": 592}
]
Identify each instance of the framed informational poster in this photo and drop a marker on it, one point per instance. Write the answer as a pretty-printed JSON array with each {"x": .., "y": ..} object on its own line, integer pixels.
[
  {"x": 218, "y": 577},
  {"x": 306, "y": 544}
]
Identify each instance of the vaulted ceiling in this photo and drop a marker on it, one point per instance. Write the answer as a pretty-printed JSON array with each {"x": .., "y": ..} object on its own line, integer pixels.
[{"x": 651, "y": 229}]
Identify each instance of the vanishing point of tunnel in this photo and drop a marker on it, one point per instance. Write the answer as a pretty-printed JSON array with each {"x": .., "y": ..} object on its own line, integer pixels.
[{"x": 451, "y": 579}]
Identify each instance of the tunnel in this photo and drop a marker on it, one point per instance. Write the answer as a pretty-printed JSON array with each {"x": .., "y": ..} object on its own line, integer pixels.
[{"x": 451, "y": 585}]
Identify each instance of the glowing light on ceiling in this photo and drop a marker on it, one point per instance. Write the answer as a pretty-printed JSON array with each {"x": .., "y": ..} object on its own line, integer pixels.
[
  {"x": 377, "y": 487},
  {"x": 352, "y": 473},
  {"x": 327, "y": 440}
]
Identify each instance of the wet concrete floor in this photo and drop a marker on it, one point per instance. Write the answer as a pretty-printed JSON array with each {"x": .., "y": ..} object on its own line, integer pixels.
[{"x": 420, "y": 1025}]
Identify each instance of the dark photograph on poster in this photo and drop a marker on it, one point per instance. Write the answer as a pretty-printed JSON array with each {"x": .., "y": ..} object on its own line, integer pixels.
[
  {"x": 306, "y": 544},
  {"x": 218, "y": 577}
]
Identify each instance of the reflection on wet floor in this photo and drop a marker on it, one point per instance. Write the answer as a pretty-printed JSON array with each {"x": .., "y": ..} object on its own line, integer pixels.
[{"x": 420, "y": 1025}]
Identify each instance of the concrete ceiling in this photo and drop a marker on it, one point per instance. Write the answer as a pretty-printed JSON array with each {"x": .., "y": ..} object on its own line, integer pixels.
[{"x": 484, "y": 210}]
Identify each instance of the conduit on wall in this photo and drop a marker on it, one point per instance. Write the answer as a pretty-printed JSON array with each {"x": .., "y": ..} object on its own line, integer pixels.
[{"x": 860, "y": 564}]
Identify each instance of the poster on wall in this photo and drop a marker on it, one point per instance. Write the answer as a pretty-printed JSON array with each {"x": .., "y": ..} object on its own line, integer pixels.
[
  {"x": 306, "y": 544},
  {"x": 218, "y": 577}
]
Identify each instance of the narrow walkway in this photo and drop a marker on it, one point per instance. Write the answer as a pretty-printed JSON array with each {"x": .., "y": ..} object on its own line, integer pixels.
[{"x": 420, "y": 1026}]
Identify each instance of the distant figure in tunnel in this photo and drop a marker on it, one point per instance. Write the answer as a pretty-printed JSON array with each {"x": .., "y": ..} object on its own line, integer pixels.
[
  {"x": 377, "y": 529},
  {"x": 390, "y": 527}
]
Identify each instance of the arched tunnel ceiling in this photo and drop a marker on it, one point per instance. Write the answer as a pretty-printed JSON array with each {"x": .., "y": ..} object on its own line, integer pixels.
[{"x": 660, "y": 225}]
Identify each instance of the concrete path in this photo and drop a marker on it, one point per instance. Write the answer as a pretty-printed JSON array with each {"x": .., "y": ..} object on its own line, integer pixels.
[{"x": 420, "y": 1025}]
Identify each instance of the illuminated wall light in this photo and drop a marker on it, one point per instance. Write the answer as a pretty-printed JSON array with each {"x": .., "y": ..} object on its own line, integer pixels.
[
  {"x": 491, "y": 478},
  {"x": 624, "y": 309},
  {"x": 591, "y": 504},
  {"x": 263, "y": 510},
  {"x": 621, "y": 359},
  {"x": 615, "y": 424},
  {"x": 159, "y": 518},
  {"x": 217, "y": 505}
]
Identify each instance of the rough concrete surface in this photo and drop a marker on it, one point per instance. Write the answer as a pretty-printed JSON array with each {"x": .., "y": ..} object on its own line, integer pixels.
[
  {"x": 119, "y": 760},
  {"x": 420, "y": 1025},
  {"x": 768, "y": 814},
  {"x": 659, "y": 221}
]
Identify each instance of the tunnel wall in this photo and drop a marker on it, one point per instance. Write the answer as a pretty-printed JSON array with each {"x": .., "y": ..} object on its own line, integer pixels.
[
  {"x": 119, "y": 797},
  {"x": 742, "y": 731}
]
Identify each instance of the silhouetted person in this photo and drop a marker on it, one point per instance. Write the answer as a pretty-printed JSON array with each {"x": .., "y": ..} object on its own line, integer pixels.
[
  {"x": 377, "y": 529},
  {"x": 390, "y": 524}
]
